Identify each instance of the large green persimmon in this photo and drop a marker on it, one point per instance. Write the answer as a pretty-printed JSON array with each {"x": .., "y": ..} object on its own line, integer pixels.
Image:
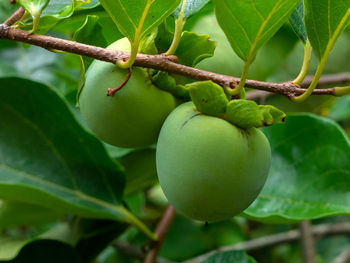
[
  {"x": 209, "y": 169},
  {"x": 131, "y": 118}
]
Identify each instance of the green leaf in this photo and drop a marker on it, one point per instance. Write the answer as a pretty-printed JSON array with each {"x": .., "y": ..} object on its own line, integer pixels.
[
  {"x": 192, "y": 7},
  {"x": 34, "y": 8},
  {"x": 208, "y": 97},
  {"x": 38, "y": 251},
  {"x": 298, "y": 23},
  {"x": 19, "y": 213},
  {"x": 248, "y": 33},
  {"x": 38, "y": 64},
  {"x": 193, "y": 48},
  {"x": 230, "y": 256},
  {"x": 47, "y": 158},
  {"x": 309, "y": 154},
  {"x": 128, "y": 15},
  {"x": 325, "y": 21}
]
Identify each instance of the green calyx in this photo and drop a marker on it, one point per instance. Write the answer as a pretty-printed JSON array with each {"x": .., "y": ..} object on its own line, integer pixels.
[
  {"x": 210, "y": 99},
  {"x": 164, "y": 81}
]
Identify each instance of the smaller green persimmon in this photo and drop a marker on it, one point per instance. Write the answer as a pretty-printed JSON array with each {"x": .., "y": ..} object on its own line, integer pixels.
[
  {"x": 209, "y": 169},
  {"x": 132, "y": 118}
]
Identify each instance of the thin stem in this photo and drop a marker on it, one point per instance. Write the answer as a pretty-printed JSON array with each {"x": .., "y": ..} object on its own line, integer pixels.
[
  {"x": 324, "y": 59},
  {"x": 314, "y": 83},
  {"x": 161, "y": 231},
  {"x": 136, "y": 42},
  {"x": 179, "y": 24},
  {"x": 306, "y": 63},
  {"x": 308, "y": 242},
  {"x": 242, "y": 82}
]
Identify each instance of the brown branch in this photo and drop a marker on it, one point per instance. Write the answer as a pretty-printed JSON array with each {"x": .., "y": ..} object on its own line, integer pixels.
[
  {"x": 326, "y": 80},
  {"x": 15, "y": 17},
  {"x": 318, "y": 231},
  {"x": 344, "y": 257},
  {"x": 160, "y": 62},
  {"x": 161, "y": 231},
  {"x": 12, "y": 2},
  {"x": 307, "y": 242}
]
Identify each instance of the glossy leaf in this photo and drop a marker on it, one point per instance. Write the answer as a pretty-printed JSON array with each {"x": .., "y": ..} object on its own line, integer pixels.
[
  {"x": 230, "y": 256},
  {"x": 298, "y": 22},
  {"x": 192, "y": 7},
  {"x": 248, "y": 25},
  {"x": 38, "y": 64},
  {"x": 20, "y": 213},
  {"x": 47, "y": 158},
  {"x": 127, "y": 14},
  {"x": 309, "y": 176},
  {"x": 325, "y": 21}
]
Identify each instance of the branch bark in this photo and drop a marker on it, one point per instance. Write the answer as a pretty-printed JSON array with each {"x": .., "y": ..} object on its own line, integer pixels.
[
  {"x": 159, "y": 62},
  {"x": 326, "y": 80},
  {"x": 307, "y": 242},
  {"x": 161, "y": 231},
  {"x": 318, "y": 231}
]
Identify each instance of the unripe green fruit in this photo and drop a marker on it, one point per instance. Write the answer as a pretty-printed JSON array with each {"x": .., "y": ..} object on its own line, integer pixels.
[
  {"x": 132, "y": 117},
  {"x": 209, "y": 169}
]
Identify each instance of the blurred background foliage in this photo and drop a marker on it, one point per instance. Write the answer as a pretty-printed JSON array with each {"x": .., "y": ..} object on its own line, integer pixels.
[{"x": 279, "y": 60}]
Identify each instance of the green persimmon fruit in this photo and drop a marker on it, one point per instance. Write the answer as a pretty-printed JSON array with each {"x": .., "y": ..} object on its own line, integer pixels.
[
  {"x": 132, "y": 118},
  {"x": 209, "y": 169}
]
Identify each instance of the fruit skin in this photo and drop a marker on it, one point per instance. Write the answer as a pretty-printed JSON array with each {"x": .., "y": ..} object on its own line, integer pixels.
[
  {"x": 131, "y": 118},
  {"x": 208, "y": 169}
]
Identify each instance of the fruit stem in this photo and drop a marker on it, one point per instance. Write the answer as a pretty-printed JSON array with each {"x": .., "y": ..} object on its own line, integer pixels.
[
  {"x": 111, "y": 92},
  {"x": 179, "y": 24},
  {"x": 306, "y": 63}
]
